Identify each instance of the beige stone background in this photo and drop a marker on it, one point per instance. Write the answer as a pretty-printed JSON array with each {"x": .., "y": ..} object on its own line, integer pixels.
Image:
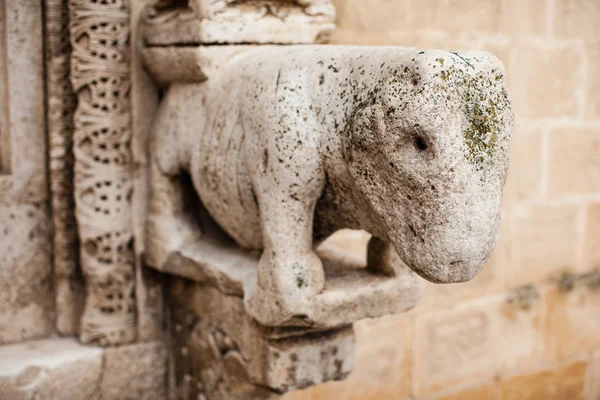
[{"x": 528, "y": 327}]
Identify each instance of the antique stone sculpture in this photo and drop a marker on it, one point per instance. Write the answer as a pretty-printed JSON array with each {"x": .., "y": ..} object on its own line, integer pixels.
[
  {"x": 285, "y": 146},
  {"x": 172, "y": 197}
]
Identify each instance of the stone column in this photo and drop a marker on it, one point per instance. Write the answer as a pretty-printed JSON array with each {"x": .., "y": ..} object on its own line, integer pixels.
[{"x": 60, "y": 105}]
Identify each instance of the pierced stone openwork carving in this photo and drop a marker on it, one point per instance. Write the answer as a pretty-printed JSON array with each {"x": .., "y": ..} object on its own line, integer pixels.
[{"x": 100, "y": 74}]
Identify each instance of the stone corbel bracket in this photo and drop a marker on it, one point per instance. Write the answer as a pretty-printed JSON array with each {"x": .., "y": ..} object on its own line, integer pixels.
[{"x": 231, "y": 337}]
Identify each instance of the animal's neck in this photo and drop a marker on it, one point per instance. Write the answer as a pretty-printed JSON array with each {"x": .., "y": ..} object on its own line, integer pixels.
[{"x": 341, "y": 197}]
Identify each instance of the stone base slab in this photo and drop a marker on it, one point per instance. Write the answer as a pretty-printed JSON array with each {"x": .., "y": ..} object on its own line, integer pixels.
[
  {"x": 220, "y": 352},
  {"x": 63, "y": 369},
  {"x": 352, "y": 292}
]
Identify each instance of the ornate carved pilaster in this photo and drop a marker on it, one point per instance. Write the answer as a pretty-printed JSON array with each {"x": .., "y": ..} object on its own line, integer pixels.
[
  {"x": 60, "y": 106},
  {"x": 100, "y": 74}
]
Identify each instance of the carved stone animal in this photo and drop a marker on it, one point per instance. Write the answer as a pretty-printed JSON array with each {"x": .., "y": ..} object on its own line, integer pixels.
[{"x": 287, "y": 145}]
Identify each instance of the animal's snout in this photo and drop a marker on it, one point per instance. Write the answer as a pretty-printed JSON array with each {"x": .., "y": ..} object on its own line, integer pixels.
[{"x": 461, "y": 271}]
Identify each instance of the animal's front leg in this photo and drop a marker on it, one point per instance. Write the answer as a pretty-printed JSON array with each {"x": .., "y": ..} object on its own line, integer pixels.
[
  {"x": 166, "y": 226},
  {"x": 382, "y": 257},
  {"x": 289, "y": 271}
]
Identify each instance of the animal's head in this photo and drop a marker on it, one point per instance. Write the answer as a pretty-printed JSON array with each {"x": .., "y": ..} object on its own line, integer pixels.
[{"x": 430, "y": 150}]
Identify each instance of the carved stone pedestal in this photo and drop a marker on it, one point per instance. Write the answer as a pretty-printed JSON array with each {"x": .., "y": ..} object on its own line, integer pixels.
[
  {"x": 352, "y": 290},
  {"x": 222, "y": 353}
]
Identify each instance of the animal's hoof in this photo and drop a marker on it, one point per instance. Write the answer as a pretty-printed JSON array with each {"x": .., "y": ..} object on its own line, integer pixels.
[
  {"x": 285, "y": 289},
  {"x": 272, "y": 309}
]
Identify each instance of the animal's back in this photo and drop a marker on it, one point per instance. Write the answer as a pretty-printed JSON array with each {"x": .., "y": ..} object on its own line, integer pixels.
[{"x": 251, "y": 96}]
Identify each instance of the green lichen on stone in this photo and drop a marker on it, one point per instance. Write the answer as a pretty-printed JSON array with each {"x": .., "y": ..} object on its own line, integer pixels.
[
  {"x": 482, "y": 134},
  {"x": 485, "y": 107},
  {"x": 448, "y": 74}
]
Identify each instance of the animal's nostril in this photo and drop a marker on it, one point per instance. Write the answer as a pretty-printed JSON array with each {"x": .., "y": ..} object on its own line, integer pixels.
[
  {"x": 420, "y": 143},
  {"x": 455, "y": 264}
]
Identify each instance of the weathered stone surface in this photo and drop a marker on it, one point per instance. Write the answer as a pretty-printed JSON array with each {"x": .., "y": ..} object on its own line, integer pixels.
[
  {"x": 525, "y": 172},
  {"x": 52, "y": 369},
  {"x": 62, "y": 369},
  {"x": 592, "y": 88},
  {"x": 103, "y": 170},
  {"x": 481, "y": 392},
  {"x": 167, "y": 64},
  {"x": 382, "y": 366},
  {"x": 574, "y": 167},
  {"x": 209, "y": 22},
  {"x": 591, "y": 250},
  {"x": 144, "y": 101},
  {"x": 526, "y": 18},
  {"x": 575, "y": 19},
  {"x": 308, "y": 162},
  {"x": 353, "y": 292},
  {"x": 536, "y": 90},
  {"x": 23, "y": 172},
  {"x": 573, "y": 323},
  {"x": 563, "y": 382},
  {"x": 60, "y": 106},
  {"x": 483, "y": 337},
  {"x": 221, "y": 352},
  {"x": 543, "y": 243},
  {"x": 392, "y": 18},
  {"x": 595, "y": 377},
  {"x": 26, "y": 300},
  {"x": 482, "y": 16},
  {"x": 135, "y": 372}
]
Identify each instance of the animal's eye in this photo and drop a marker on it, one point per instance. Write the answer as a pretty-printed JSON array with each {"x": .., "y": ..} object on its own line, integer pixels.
[{"x": 420, "y": 143}]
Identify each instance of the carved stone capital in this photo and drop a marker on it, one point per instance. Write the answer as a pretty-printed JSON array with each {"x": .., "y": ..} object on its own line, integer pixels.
[{"x": 232, "y": 21}]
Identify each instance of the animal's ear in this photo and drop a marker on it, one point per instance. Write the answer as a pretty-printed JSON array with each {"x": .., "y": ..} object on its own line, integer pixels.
[{"x": 366, "y": 126}]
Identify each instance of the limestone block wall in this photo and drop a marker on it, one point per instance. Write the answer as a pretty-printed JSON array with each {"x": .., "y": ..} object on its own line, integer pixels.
[{"x": 528, "y": 327}]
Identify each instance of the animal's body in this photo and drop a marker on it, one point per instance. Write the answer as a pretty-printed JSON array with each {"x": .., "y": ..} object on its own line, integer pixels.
[{"x": 287, "y": 145}]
